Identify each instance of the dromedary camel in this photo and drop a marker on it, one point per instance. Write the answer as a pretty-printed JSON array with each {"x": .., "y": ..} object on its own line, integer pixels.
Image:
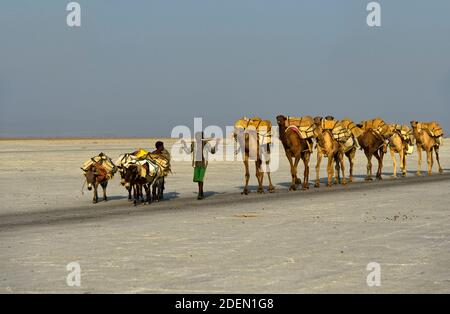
[
  {"x": 350, "y": 146},
  {"x": 399, "y": 143},
  {"x": 373, "y": 142},
  {"x": 427, "y": 143},
  {"x": 295, "y": 147},
  {"x": 333, "y": 151},
  {"x": 251, "y": 147}
]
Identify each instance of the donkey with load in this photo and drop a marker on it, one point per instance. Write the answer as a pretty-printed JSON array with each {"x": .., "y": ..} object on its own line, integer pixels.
[
  {"x": 143, "y": 171},
  {"x": 98, "y": 171}
]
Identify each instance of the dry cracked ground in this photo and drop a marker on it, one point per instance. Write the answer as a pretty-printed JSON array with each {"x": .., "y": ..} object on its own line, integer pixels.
[{"x": 316, "y": 241}]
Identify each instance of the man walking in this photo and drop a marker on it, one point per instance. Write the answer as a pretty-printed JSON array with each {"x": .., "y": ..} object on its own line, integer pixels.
[{"x": 199, "y": 150}]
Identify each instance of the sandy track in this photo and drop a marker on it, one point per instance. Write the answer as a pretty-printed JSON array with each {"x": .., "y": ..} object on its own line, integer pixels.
[
  {"x": 319, "y": 240},
  {"x": 122, "y": 207}
]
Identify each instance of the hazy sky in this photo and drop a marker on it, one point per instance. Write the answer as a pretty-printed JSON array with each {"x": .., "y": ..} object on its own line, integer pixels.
[{"x": 138, "y": 68}]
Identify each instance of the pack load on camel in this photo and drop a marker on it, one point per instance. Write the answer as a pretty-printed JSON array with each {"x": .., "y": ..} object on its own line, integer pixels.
[
  {"x": 262, "y": 127},
  {"x": 304, "y": 126},
  {"x": 405, "y": 134},
  {"x": 352, "y": 127},
  {"x": 433, "y": 129},
  {"x": 377, "y": 125},
  {"x": 104, "y": 162},
  {"x": 403, "y": 130},
  {"x": 339, "y": 132}
]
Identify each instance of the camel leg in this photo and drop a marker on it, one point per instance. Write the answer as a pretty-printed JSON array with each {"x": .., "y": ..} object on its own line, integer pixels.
[
  {"x": 291, "y": 164},
  {"x": 419, "y": 159},
  {"x": 330, "y": 171},
  {"x": 319, "y": 160},
  {"x": 337, "y": 170},
  {"x": 305, "y": 159},
  {"x": 271, "y": 187},
  {"x": 394, "y": 160},
  {"x": 341, "y": 161},
  {"x": 369, "y": 165},
  {"x": 259, "y": 175},
  {"x": 351, "y": 160},
  {"x": 379, "y": 156},
  {"x": 247, "y": 176},
  {"x": 430, "y": 161},
  {"x": 298, "y": 181},
  {"x": 436, "y": 151},
  {"x": 403, "y": 162},
  {"x": 294, "y": 173}
]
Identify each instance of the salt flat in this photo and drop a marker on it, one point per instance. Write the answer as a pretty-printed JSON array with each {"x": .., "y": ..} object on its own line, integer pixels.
[{"x": 315, "y": 241}]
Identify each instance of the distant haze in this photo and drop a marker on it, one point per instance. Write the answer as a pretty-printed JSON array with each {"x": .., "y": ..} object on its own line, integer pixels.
[{"x": 138, "y": 68}]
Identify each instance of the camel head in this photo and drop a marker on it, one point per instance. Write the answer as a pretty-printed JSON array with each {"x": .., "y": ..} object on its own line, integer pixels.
[
  {"x": 318, "y": 132},
  {"x": 413, "y": 124},
  {"x": 318, "y": 121},
  {"x": 387, "y": 131},
  {"x": 281, "y": 120}
]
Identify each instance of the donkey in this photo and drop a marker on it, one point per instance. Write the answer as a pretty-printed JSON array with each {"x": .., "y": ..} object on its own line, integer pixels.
[
  {"x": 133, "y": 182},
  {"x": 96, "y": 175}
]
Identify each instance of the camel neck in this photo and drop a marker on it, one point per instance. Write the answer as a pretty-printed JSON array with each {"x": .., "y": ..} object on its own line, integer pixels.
[{"x": 282, "y": 134}]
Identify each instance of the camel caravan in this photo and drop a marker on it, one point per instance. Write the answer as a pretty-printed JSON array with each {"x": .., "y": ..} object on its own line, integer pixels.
[{"x": 142, "y": 171}]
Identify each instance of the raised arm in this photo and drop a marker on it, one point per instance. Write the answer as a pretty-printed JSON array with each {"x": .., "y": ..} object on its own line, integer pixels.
[
  {"x": 186, "y": 148},
  {"x": 213, "y": 149}
]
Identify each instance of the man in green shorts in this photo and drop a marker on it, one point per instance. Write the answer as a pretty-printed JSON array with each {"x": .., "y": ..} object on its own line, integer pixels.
[{"x": 199, "y": 148}]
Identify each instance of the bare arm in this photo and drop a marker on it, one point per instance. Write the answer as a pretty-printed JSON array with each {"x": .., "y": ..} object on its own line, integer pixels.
[
  {"x": 186, "y": 148},
  {"x": 213, "y": 149}
]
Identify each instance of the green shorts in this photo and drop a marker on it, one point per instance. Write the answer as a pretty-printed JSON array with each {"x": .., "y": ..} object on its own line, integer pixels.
[{"x": 199, "y": 174}]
